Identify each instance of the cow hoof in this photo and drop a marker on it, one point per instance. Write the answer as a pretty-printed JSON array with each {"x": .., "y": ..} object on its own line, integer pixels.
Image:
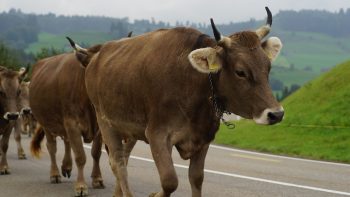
[
  {"x": 4, "y": 171},
  {"x": 22, "y": 156},
  {"x": 66, "y": 172},
  {"x": 55, "y": 179},
  {"x": 81, "y": 190},
  {"x": 153, "y": 195},
  {"x": 98, "y": 184}
]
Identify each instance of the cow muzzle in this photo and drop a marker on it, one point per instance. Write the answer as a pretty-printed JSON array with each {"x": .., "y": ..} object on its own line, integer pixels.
[
  {"x": 270, "y": 116},
  {"x": 11, "y": 115},
  {"x": 26, "y": 111}
]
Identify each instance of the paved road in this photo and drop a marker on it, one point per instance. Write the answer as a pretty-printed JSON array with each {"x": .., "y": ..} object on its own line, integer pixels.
[{"x": 229, "y": 172}]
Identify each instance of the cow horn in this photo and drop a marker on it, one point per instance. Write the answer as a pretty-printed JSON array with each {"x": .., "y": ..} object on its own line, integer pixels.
[
  {"x": 23, "y": 72},
  {"x": 215, "y": 30},
  {"x": 225, "y": 41},
  {"x": 75, "y": 46},
  {"x": 264, "y": 30},
  {"x": 129, "y": 34}
]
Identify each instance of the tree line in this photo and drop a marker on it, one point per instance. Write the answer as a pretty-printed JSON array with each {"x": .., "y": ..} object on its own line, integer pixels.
[{"x": 19, "y": 29}]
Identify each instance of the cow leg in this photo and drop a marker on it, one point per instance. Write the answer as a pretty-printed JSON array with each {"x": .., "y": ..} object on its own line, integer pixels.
[
  {"x": 66, "y": 167},
  {"x": 4, "y": 169},
  {"x": 161, "y": 151},
  {"x": 127, "y": 148},
  {"x": 96, "y": 150},
  {"x": 196, "y": 171},
  {"x": 17, "y": 134},
  {"x": 52, "y": 148},
  {"x": 116, "y": 157},
  {"x": 74, "y": 136},
  {"x": 23, "y": 124}
]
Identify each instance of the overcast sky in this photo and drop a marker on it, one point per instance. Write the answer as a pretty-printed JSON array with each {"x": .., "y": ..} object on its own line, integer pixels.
[{"x": 223, "y": 11}]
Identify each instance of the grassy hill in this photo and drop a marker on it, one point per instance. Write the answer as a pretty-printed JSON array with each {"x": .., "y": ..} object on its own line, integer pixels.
[
  {"x": 316, "y": 124},
  {"x": 47, "y": 40}
]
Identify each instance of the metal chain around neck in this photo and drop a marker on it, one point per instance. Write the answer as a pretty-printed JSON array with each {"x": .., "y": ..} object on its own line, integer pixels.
[{"x": 218, "y": 106}]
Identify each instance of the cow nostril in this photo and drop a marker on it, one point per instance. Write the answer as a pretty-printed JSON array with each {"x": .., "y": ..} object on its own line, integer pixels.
[
  {"x": 275, "y": 117},
  {"x": 26, "y": 111},
  {"x": 271, "y": 116},
  {"x": 12, "y": 116}
]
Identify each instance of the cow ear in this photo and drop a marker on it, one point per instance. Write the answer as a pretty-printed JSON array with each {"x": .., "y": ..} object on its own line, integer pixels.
[
  {"x": 205, "y": 60},
  {"x": 81, "y": 53},
  {"x": 272, "y": 47},
  {"x": 23, "y": 72}
]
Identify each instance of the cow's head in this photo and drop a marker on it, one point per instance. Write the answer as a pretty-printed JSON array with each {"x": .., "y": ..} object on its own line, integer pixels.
[
  {"x": 23, "y": 100},
  {"x": 10, "y": 91},
  {"x": 243, "y": 62}
]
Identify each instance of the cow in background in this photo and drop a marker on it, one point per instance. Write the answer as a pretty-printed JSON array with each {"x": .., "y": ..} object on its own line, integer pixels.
[
  {"x": 170, "y": 87},
  {"x": 60, "y": 104},
  {"x": 59, "y": 83},
  {"x": 9, "y": 94},
  {"x": 26, "y": 123}
]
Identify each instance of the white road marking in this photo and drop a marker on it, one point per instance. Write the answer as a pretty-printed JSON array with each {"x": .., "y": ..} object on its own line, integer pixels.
[
  {"x": 278, "y": 156},
  {"x": 245, "y": 156},
  {"x": 246, "y": 177}
]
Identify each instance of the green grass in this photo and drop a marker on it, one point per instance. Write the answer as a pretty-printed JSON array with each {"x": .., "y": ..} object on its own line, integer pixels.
[
  {"x": 313, "y": 143},
  {"x": 47, "y": 40},
  {"x": 316, "y": 123}
]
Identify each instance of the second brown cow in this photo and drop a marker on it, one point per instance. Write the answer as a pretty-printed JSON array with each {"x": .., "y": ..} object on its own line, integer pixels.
[{"x": 60, "y": 104}]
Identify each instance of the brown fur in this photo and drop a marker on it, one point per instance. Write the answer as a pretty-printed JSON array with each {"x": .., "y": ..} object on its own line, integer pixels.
[{"x": 246, "y": 39}]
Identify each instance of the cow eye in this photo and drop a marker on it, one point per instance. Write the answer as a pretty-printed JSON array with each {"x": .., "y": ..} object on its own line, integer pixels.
[
  {"x": 18, "y": 92},
  {"x": 241, "y": 73}
]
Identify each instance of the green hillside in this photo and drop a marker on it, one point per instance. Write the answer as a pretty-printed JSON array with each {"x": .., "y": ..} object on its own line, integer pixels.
[
  {"x": 47, "y": 40},
  {"x": 316, "y": 124}
]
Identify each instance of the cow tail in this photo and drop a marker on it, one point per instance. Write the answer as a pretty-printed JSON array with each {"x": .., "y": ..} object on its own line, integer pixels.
[{"x": 35, "y": 145}]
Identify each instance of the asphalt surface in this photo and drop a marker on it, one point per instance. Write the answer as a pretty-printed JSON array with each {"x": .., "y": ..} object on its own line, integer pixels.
[{"x": 229, "y": 172}]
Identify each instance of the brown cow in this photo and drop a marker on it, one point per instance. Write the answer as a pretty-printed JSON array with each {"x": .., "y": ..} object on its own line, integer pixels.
[
  {"x": 26, "y": 123},
  {"x": 155, "y": 87},
  {"x": 9, "y": 93},
  {"x": 60, "y": 104}
]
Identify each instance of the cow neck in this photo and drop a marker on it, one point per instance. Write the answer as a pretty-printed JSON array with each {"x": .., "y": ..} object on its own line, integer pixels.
[{"x": 218, "y": 104}]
